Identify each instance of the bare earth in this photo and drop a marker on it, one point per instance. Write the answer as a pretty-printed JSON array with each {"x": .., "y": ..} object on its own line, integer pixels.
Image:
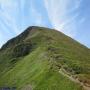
[{"x": 76, "y": 80}]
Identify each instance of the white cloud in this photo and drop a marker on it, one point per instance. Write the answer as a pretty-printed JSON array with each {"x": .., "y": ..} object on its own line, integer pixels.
[
  {"x": 38, "y": 19},
  {"x": 9, "y": 22},
  {"x": 8, "y": 13},
  {"x": 1, "y": 42},
  {"x": 8, "y": 25},
  {"x": 58, "y": 12}
]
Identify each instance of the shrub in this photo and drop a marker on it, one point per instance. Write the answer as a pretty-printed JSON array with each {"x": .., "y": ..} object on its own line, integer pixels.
[{"x": 22, "y": 49}]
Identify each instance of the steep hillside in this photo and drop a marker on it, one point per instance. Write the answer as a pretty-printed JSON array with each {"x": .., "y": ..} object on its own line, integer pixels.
[{"x": 44, "y": 59}]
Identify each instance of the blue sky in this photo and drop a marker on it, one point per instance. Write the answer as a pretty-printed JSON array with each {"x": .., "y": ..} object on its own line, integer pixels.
[{"x": 71, "y": 17}]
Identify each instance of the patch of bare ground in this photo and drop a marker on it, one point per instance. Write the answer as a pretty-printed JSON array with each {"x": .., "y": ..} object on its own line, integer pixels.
[
  {"x": 27, "y": 87},
  {"x": 74, "y": 79}
]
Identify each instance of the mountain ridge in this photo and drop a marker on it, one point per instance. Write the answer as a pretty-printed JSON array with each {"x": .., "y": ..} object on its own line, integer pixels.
[{"x": 26, "y": 32}]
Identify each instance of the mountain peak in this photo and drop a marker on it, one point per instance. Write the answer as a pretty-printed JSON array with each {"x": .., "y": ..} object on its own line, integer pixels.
[{"x": 43, "y": 57}]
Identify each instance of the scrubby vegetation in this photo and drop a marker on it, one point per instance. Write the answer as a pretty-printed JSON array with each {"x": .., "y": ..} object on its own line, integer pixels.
[{"x": 22, "y": 49}]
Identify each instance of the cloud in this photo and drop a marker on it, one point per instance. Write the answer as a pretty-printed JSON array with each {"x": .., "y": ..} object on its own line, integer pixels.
[
  {"x": 8, "y": 14},
  {"x": 1, "y": 37},
  {"x": 8, "y": 17},
  {"x": 59, "y": 12},
  {"x": 15, "y": 15},
  {"x": 38, "y": 19}
]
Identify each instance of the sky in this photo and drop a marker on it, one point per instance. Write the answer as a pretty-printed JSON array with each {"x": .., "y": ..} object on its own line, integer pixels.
[{"x": 72, "y": 17}]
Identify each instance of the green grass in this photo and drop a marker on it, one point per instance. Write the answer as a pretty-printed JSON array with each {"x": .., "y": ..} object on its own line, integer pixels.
[
  {"x": 35, "y": 70},
  {"x": 37, "y": 65}
]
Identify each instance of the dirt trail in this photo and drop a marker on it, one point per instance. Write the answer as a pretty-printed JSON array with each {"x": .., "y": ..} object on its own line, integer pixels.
[{"x": 76, "y": 80}]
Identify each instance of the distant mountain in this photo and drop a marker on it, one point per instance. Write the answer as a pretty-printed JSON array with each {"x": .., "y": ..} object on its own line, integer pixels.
[{"x": 44, "y": 59}]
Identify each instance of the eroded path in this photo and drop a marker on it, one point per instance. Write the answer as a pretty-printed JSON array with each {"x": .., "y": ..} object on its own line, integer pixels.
[{"x": 76, "y": 80}]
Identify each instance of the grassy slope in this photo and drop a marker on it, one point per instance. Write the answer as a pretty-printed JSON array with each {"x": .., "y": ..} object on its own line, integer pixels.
[
  {"x": 39, "y": 68},
  {"x": 35, "y": 70}
]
